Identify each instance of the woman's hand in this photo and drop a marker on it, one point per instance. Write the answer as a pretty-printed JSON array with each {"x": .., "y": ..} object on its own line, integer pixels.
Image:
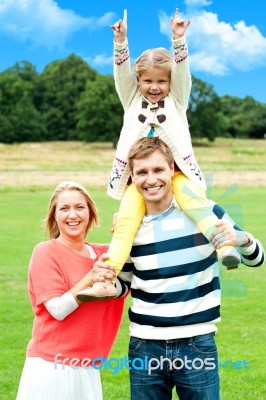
[
  {"x": 102, "y": 270},
  {"x": 99, "y": 273}
]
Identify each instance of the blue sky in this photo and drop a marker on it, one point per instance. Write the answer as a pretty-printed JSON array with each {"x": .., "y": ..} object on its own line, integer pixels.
[{"x": 227, "y": 39}]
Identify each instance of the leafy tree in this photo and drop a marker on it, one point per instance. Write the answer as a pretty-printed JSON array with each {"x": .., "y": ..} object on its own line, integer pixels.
[
  {"x": 100, "y": 111},
  {"x": 27, "y": 122},
  {"x": 61, "y": 85},
  {"x": 258, "y": 122},
  {"x": 6, "y": 130},
  {"x": 24, "y": 69},
  {"x": 16, "y": 105},
  {"x": 246, "y": 117},
  {"x": 204, "y": 115}
]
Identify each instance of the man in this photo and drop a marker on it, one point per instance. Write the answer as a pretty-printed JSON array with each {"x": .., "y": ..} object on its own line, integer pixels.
[{"x": 174, "y": 277}]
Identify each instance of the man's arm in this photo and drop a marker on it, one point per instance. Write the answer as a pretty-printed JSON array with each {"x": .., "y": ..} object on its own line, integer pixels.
[{"x": 123, "y": 281}]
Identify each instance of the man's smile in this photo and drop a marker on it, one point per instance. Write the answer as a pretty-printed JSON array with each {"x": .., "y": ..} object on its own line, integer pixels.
[{"x": 153, "y": 189}]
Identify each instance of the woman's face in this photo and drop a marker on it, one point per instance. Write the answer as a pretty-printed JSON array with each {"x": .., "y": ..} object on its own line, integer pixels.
[{"x": 72, "y": 215}]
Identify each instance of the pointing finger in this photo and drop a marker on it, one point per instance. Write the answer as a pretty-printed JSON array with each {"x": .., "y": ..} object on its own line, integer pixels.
[{"x": 125, "y": 17}]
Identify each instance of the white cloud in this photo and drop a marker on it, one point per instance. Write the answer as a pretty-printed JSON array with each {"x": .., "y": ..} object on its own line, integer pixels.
[
  {"x": 100, "y": 60},
  {"x": 43, "y": 22},
  {"x": 208, "y": 64},
  {"x": 218, "y": 47}
]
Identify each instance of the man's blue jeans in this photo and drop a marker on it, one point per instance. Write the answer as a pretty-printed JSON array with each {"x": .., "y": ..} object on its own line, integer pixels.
[{"x": 190, "y": 365}]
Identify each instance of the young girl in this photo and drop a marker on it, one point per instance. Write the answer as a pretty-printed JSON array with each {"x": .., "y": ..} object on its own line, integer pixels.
[{"x": 155, "y": 104}]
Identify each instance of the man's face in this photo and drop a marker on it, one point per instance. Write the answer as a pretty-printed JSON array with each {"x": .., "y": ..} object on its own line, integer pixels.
[{"x": 153, "y": 179}]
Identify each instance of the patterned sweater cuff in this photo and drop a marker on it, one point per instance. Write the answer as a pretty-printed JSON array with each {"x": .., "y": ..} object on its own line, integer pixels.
[
  {"x": 179, "y": 42},
  {"x": 180, "y": 49},
  {"x": 120, "y": 46}
]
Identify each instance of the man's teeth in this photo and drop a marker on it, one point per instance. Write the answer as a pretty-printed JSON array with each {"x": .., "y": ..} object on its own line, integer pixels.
[{"x": 153, "y": 189}]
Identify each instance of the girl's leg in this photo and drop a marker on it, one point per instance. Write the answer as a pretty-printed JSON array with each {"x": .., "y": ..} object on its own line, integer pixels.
[
  {"x": 129, "y": 217},
  {"x": 130, "y": 214},
  {"x": 194, "y": 203}
]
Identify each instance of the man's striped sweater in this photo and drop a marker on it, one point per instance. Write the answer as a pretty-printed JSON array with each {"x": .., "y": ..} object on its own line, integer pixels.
[{"x": 174, "y": 276}]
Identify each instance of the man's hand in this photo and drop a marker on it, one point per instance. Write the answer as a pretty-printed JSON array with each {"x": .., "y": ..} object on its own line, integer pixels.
[
  {"x": 102, "y": 270},
  {"x": 178, "y": 25},
  {"x": 226, "y": 235},
  {"x": 120, "y": 29}
]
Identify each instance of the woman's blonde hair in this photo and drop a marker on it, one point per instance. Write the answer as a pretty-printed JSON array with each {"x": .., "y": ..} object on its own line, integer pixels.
[
  {"x": 51, "y": 224},
  {"x": 153, "y": 58}
]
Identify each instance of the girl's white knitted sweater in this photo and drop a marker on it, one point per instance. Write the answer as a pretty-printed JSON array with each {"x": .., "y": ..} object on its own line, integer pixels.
[{"x": 168, "y": 117}]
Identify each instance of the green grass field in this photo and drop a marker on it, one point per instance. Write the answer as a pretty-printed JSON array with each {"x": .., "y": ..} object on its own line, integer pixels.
[{"x": 242, "y": 332}]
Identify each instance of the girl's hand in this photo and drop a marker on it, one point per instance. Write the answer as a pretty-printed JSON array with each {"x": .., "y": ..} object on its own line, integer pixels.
[
  {"x": 178, "y": 25},
  {"x": 120, "y": 29}
]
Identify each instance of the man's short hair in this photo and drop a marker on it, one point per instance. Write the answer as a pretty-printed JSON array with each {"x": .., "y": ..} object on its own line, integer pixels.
[{"x": 146, "y": 146}]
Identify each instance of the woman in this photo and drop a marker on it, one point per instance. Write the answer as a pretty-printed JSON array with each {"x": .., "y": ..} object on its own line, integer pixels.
[{"x": 68, "y": 335}]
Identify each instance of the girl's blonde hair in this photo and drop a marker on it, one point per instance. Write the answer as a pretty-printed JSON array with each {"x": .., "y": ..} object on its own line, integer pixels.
[
  {"x": 153, "y": 58},
  {"x": 51, "y": 224}
]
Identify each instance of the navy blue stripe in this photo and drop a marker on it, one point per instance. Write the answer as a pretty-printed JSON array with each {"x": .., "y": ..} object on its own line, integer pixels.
[
  {"x": 128, "y": 267},
  {"x": 176, "y": 270},
  {"x": 165, "y": 246},
  {"x": 125, "y": 287},
  {"x": 196, "y": 318},
  {"x": 177, "y": 296},
  {"x": 253, "y": 256},
  {"x": 218, "y": 211},
  {"x": 259, "y": 263}
]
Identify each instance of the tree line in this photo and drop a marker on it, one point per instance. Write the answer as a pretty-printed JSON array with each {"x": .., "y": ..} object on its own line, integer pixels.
[{"x": 69, "y": 100}]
